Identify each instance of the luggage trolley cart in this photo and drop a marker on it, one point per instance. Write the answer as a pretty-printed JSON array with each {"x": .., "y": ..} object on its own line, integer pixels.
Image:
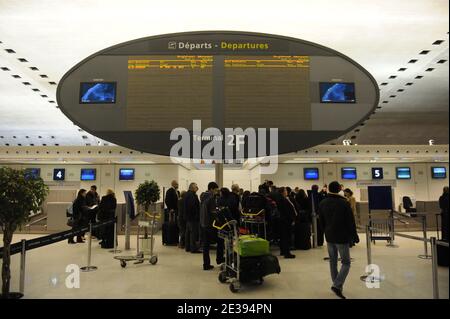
[
  {"x": 253, "y": 222},
  {"x": 148, "y": 221},
  {"x": 230, "y": 269}
]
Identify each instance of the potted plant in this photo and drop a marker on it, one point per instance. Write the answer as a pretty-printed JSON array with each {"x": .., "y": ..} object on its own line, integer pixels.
[
  {"x": 20, "y": 194},
  {"x": 147, "y": 194}
]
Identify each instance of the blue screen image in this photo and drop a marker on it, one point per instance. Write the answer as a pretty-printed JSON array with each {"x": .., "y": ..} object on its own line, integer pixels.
[
  {"x": 403, "y": 173},
  {"x": 88, "y": 174},
  {"x": 126, "y": 174},
  {"x": 348, "y": 173},
  {"x": 102, "y": 92},
  {"x": 337, "y": 92},
  {"x": 32, "y": 173},
  {"x": 438, "y": 172},
  {"x": 311, "y": 173}
]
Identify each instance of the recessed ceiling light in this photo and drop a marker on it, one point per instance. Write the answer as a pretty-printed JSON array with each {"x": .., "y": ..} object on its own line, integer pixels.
[
  {"x": 424, "y": 52},
  {"x": 392, "y": 76},
  {"x": 26, "y": 83},
  {"x": 52, "y": 136},
  {"x": 44, "y": 76},
  {"x": 402, "y": 69},
  {"x": 22, "y": 60},
  {"x": 384, "y": 83},
  {"x": 438, "y": 42},
  {"x": 379, "y": 107},
  {"x": 84, "y": 137},
  {"x": 52, "y": 83},
  {"x": 429, "y": 69},
  {"x": 35, "y": 90},
  {"x": 419, "y": 77},
  {"x": 39, "y": 136},
  {"x": 392, "y": 96},
  {"x": 400, "y": 90},
  {"x": 56, "y": 144},
  {"x": 16, "y": 76},
  {"x": 10, "y": 51},
  {"x": 27, "y": 136},
  {"x": 34, "y": 68},
  {"x": 43, "y": 95},
  {"x": 409, "y": 83},
  {"x": 51, "y": 101},
  {"x": 385, "y": 102},
  {"x": 4, "y": 68},
  {"x": 412, "y": 61},
  {"x": 441, "y": 61}
]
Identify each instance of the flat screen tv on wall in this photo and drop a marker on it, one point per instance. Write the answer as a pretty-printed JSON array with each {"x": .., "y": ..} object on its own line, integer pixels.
[
  {"x": 348, "y": 173},
  {"x": 311, "y": 173},
  {"x": 438, "y": 172},
  {"x": 126, "y": 174},
  {"x": 97, "y": 92},
  {"x": 88, "y": 174}
]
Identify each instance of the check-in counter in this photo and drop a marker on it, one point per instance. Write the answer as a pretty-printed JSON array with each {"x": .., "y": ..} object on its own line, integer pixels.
[{"x": 56, "y": 216}]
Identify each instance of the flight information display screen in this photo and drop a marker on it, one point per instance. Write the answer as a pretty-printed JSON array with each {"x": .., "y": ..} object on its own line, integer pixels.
[
  {"x": 251, "y": 91},
  {"x": 97, "y": 92},
  {"x": 337, "y": 92}
]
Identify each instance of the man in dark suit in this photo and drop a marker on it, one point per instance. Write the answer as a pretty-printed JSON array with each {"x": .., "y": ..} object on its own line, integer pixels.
[
  {"x": 172, "y": 196},
  {"x": 192, "y": 216}
]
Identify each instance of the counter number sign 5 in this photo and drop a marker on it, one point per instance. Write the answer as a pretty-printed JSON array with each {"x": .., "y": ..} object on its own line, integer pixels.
[{"x": 377, "y": 173}]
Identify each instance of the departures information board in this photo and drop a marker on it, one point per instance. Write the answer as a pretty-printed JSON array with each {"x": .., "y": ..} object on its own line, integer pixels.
[{"x": 247, "y": 90}]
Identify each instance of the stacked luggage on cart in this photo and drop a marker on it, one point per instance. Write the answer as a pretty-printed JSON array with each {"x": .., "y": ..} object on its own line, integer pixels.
[{"x": 247, "y": 257}]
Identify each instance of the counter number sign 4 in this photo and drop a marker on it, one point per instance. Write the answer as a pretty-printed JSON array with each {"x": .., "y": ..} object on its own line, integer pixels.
[{"x": 59, "y": 174}]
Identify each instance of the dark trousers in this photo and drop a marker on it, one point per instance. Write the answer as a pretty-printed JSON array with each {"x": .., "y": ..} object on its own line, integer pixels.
[
  {"x": 182, "y": 232},
  {"x": 191, "y": 236},
  {"x": 107, "y": 236},
  {"x": 444, "y": 226},
  {"x": 320, "y": 234},
  {"x": 285, "y": 237},
  {"x": 208, "y": 237}
]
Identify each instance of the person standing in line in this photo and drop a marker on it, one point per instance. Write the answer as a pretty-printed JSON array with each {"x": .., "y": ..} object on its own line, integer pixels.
[
  {"x": 107, "y": 211},
  {"x": 181, "y": 220},
  {"x": 443, "y": 204},
  {"x": 348, "y": 194},
  {"x": 92, "y": 201},
  {"x": 79, "y": 214},
  {"x": 209, "y": 205},
  {"x": 337, "y": 220},
  {"x": 171, "y": 198},
  {"x": 287, "y": 217},
  {"x": 234, "y": 202},
  {"x": 192, "y": 216},
  {"x": 315, "y": 197}
]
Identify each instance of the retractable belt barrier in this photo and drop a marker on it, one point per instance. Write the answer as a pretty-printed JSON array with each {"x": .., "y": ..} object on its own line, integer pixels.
[{"x": 54, "y": 238}]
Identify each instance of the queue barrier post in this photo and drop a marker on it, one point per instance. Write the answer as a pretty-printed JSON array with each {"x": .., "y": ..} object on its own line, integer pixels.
[
  {"x": 434, "y": 265},
  {"x": 314, "y": 225},
  {"x": 89, "y": 267},
  {"x": 391, "y": 242},
  {"x": 425, "y": 239},
  {"x": 22, "y": 266},
  {"x": 369, "y": 276},
  {"x": 115, "y": 250}
]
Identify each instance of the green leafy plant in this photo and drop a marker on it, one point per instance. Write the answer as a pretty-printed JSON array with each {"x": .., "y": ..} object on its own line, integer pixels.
[
  {"x": 147, "y": 193},
  {"x": 19, "y": 196}
]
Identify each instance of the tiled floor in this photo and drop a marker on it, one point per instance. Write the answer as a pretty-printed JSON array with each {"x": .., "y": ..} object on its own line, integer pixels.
[{"x": 179, "y": 275}]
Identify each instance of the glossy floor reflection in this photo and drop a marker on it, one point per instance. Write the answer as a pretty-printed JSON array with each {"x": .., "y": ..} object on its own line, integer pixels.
[{"x": 180, "y": 275}]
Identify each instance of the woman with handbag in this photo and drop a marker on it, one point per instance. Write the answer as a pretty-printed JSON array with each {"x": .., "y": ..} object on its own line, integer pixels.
[{"x": 79, "y": 208}]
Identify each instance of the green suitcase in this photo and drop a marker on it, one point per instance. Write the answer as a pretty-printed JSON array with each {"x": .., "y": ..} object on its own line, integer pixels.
[{"x": 251, "y": 246}]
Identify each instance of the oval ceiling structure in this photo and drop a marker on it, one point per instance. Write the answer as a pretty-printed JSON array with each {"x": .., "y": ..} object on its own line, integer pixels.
[{"x": 136, "y": 93}]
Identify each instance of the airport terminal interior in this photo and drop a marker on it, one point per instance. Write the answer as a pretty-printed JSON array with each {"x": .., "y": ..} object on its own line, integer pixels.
[{"x": 256, "y": 131}]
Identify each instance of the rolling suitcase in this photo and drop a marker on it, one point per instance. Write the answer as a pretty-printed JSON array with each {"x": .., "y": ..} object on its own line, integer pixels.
[
  {"x": 170, "y": 230},
  {"x": 302, "y": 236}
]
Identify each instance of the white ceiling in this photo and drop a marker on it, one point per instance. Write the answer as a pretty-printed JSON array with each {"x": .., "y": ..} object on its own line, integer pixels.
[{"x": 381, "y": 35}]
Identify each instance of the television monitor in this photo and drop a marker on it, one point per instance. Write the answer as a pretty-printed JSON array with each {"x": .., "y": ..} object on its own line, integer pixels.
[
  {"x": 126, "y": 174},
  {"x": 311, "y": 173},
  {"x": 32, "y": 173},
  {"x": 403, "y": 172},
  {"x": 438, "y": 172},
  {"x": 59, "y": 174},
  {"x": 377, "y": 173},
  {"x": 348, "y": 173},
  {"x": 88, "y": 174},
  {"x": 337, "y": 92},
  {"x": 97, "y": 92}
]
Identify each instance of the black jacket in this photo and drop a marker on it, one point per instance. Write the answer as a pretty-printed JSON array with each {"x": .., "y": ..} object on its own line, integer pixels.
[
  {"x": 92, "y": 198},
  {"x": 287, "y": 210},
  {"x": 232, "y": 202},
  {"x": 191, "y": 207},
  {"x": 107, "y": 207},
  {"x": 171, "y": 199},
  {"x": 80, "y": 208},
  {"x": 443, "y": 203},
  {"x": 337, "y": 220}
]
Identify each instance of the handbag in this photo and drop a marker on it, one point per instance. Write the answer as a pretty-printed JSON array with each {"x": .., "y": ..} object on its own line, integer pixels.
[{"x": 70, "y": 222}]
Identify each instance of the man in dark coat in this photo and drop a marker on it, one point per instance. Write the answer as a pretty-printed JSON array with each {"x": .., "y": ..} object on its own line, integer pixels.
[
  {"x": 443, "y": 204},
  {"x": 172, "y": 196},
  {"x": 92, "y": 199},
  {"x": 338, "y": 223},
  {"x": 192, "y": 216}
]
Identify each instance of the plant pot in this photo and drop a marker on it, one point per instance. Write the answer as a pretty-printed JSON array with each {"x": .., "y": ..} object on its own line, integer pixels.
[{"x": 12, "y": 295}]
